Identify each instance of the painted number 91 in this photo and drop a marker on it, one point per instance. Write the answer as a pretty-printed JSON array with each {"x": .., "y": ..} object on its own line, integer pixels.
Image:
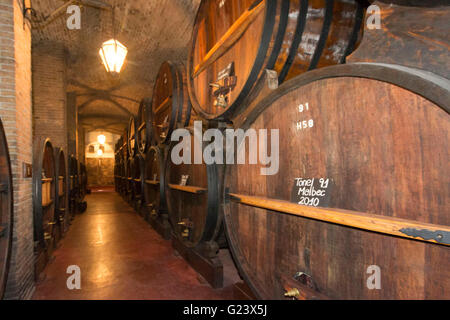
[{"x": 303, "y": 107}]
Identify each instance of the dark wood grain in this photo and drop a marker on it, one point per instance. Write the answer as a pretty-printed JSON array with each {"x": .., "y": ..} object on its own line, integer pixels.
[{"x": 384, "y": 149}]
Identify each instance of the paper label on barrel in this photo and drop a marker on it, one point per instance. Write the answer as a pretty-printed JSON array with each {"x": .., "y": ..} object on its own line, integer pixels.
[
  {"x": 314, "y": 192},
  {"x": 184, "y": 179}
]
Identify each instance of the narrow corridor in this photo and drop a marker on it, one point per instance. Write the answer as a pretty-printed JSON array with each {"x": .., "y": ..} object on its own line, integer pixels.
[{"x": 121, "y": 257}]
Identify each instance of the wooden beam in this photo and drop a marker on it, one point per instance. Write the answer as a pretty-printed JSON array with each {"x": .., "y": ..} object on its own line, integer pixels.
[
  {"x": 371, "y": 222},
  {"x": 162, "y": 105},
  {"x": 190, "y": 189},
  {"x": 230, "y": 37}
]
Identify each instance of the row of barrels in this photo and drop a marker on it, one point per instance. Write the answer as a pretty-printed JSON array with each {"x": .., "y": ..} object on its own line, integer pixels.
[
  {"x": 342, "y": 190},
  {"x": 59, "y": 187}
]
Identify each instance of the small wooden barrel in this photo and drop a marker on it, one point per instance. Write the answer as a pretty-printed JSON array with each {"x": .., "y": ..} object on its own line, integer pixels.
[
  {"x": 74, "y": 185},
  {"x": 234, "y": 42},
  {"x": 154, "y": 194},
  {"x": 360, "y": 193},
  {"x": 192, "y": 198},
  {"x": 144, "y": 126},
  {"x": 61, "y": 190},
  {"x": 6, "y": 210},
  {"x": 171, "y": 107},
  {"x": 132, "y": 138},
  {"x": 44, "y": 193},
  {"x": 136, "y": 167}
]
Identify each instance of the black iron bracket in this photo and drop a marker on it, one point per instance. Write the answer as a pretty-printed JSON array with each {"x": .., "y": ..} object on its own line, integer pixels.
[{"x": 439, "y": 236}]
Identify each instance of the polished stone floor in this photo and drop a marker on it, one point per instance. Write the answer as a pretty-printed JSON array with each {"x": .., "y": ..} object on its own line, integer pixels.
[{"x": 121, "y": 257}]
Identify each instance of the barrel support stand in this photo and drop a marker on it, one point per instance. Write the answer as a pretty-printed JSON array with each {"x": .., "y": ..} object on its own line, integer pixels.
[
  {"x": 211, "y": 268},
  {"x": 159, "y": 222}
]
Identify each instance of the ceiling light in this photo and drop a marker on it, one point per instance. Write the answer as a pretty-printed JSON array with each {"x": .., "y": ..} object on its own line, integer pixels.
[
  {"x": 101, "y": 139},
  {"x": 113, "y": 55}
]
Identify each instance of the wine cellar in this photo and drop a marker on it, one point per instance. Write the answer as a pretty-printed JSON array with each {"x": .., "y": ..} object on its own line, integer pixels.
[{"x": 225, "y": 150}]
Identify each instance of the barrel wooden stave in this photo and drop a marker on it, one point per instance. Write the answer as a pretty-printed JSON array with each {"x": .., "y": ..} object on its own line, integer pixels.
[{"x": 386, "y": 154}]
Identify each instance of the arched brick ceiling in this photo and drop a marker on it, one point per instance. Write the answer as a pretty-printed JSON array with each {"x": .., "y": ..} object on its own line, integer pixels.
[{"x": 152, "y": 30}]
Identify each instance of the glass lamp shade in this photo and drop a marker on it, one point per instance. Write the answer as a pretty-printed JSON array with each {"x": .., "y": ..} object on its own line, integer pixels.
[
  {"x": 101, "y": 139},
  {"x": 113, "y": 55}
]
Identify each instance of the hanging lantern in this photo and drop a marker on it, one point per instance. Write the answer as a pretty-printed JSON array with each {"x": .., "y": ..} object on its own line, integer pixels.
[
  {"x": 113, "y": 55},
  {"x": 101, "y": 139}
]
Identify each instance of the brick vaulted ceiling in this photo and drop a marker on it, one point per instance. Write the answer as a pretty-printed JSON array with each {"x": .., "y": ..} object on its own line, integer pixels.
[{"x": 152, "y": 30}]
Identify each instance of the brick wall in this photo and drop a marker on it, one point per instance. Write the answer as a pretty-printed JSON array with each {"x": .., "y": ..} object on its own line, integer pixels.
[
  {"x": 49, "y": 92},
  {"x": 100, "y": 171},
  {"x": 15, "y": 112}
]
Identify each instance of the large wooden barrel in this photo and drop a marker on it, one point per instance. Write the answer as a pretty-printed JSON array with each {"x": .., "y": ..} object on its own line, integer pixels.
[
  {"x": 154, "y": 194},
  {"x": 44, "y": 193},
  {"x": 144, "y": 126},
  {"x": 235, "y": 42},
  {"x": 132, "y": 138},
  {"x": 61, "y": 193},
  {"x": 83, "y": 181},
  {"x": 74, "y": 185},
  {"x": 171, "y": 107},
  {"x": 192, "y": 198},
  {"x": 362, "y": 188},
  {"x": 136, "y": 167},
  {"x": 6, "y": 210}
]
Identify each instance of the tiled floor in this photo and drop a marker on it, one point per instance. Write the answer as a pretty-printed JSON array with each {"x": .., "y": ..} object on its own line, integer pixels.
[{"x": 121, "y": 257}]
